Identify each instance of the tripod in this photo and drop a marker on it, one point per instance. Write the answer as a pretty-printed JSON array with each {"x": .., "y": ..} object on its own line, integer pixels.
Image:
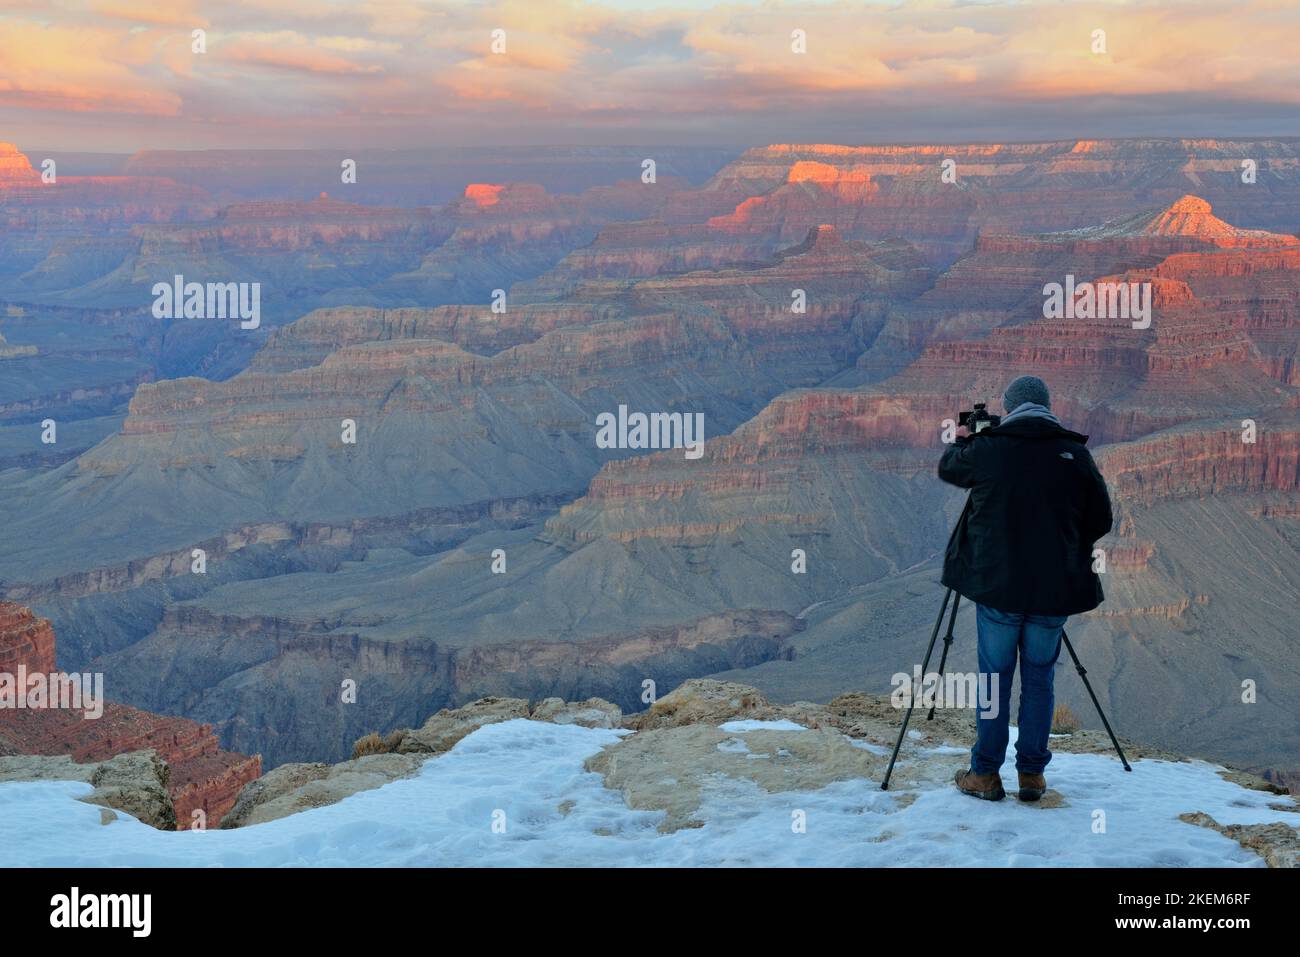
[{"x": 943, "y": 659}]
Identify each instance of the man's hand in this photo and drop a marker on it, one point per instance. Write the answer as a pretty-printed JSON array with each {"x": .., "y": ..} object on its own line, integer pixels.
[{"x": 955, "y": 467}]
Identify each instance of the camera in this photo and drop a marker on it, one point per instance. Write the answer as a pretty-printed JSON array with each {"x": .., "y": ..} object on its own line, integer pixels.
[{"x": 978, "y": 419}]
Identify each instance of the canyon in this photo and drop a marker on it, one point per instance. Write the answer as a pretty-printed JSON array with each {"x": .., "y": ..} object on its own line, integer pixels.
[{"x": 797, "y": 554}]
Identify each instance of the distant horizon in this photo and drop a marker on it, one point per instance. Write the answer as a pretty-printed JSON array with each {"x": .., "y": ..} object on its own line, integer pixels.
[{"x": 995, "y": 141}]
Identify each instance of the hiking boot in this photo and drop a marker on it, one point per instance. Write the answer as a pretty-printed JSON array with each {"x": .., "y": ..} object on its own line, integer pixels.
[
  {"x": 986, "y": 787},
  {"x": 1032, "y": 786}
]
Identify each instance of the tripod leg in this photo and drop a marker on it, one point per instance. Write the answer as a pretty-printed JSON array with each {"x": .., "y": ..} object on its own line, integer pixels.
[
  {"x": 1084, "y": 675},
  {"x": 884, "y": 785},
  {"x": 947, "y": 643}
]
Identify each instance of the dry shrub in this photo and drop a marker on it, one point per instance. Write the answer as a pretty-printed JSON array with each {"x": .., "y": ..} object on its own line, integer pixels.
[
  {"x": 374, "y": 744},
  {"x": 1064, "y": 720}
]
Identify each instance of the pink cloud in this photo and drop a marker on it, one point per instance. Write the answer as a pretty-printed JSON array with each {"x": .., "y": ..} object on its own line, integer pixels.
[{"x": 596, "y": 64}]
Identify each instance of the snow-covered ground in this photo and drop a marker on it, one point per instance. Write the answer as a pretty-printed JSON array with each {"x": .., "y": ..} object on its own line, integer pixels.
[{"x": 528, "y": 776}]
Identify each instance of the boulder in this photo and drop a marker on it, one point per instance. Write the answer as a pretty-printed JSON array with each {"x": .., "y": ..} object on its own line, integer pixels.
[
  {"x": 702, "y": 701},
  {"x": 291, "y": 788},
  {"x": 135, "y": 783},
  {"x": 592, "y": 713},
  {"x": 441, "y": 732}
]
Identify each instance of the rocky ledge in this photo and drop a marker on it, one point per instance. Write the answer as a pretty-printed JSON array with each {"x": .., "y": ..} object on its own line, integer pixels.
[
  {"x": 672, "y": 755},
  {"x": 136, "y": 783},
  {"x": 378, "y": 760}
]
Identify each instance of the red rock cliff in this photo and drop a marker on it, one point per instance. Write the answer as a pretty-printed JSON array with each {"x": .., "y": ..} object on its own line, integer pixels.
[
  {"x": 25, "y": 640},
  {"x": 203, "y": 776}
]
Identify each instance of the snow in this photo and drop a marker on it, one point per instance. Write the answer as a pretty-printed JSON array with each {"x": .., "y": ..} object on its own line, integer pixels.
[
  {"x": 733, "y": 727},
  {"x": 874, "y": 748},
  {"x": 531, "y": 771}
]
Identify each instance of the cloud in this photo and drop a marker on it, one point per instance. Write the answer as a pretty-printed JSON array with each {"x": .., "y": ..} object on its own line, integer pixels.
[
  {"x": 78, "y": 69},
  {"x": 287, "y": 49},
  {"x": 608, "y": 62},
  {"x": 178, "y": 13}
]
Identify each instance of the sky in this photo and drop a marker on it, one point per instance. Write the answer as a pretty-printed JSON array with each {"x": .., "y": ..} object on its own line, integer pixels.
[{"x": 122, "y": 75}]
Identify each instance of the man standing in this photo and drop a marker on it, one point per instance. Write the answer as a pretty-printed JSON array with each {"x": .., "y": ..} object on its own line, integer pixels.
[{"x": 1022, "y": 551}]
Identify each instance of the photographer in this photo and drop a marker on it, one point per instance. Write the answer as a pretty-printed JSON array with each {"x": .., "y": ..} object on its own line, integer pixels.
[{"x": 1022, "y": 551}]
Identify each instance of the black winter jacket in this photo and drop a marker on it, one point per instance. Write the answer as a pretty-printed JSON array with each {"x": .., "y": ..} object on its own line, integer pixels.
[{"x": 1037, "y": 505}]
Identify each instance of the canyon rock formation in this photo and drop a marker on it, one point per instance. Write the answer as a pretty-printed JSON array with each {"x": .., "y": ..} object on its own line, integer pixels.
[
  {"x": 827, "y": 309},
  {"x": 199, "y": 775}
]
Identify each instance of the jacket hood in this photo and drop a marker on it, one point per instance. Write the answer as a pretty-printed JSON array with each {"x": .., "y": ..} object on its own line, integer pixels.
[{"x": 1034, "y": 427}]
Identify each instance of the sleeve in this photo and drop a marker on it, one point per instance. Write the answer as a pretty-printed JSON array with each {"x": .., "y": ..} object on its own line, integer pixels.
[
  {"x": 957, "y": 466},
  {"x": 1097, "y": 518}
]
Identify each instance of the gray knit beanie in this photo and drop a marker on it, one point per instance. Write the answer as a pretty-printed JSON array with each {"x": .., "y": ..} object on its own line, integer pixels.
[{"x": 1028, "y": 388}]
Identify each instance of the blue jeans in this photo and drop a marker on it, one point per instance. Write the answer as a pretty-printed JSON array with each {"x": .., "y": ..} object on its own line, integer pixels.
[{"x": 1038, "y": 640}]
